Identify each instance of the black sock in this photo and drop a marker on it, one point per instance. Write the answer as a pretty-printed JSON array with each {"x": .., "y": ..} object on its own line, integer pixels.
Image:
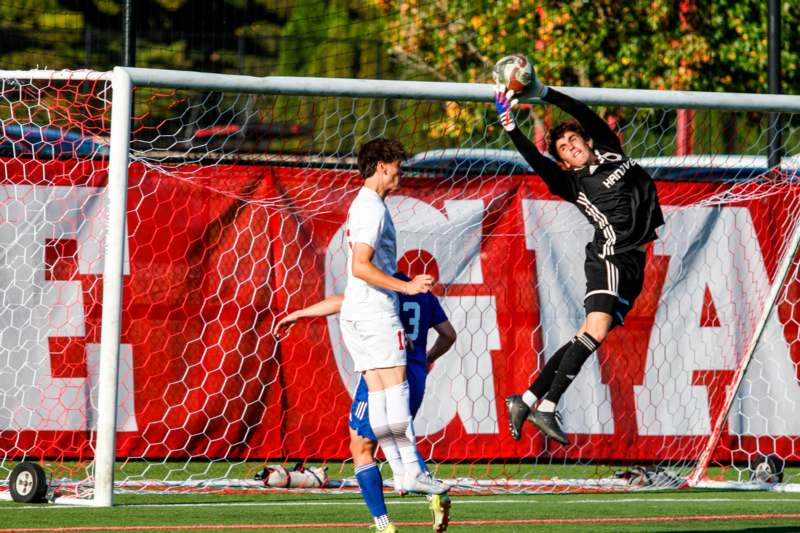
[
  {"x": 544, "y": 380},
  {"x": 571, "y": 364}
]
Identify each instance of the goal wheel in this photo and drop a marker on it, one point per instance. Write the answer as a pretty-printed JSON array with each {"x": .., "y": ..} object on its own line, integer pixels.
[
  {"x": 767, "y": 469},
  {"x": 28, "y": 483}
]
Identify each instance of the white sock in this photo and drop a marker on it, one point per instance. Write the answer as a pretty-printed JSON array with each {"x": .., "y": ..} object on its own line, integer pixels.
[
  {"x": 399, "y": 482},
  {"x": 529, "y": 398},
  {"x": 380, "y": 426},
  {"x": 546, "y": 406},
  {"x": 399, "y": 418},
  {"x": 376, "y": 402},
  {"x": 381, "y": 522},
  {"x": 395, "y": 462}
]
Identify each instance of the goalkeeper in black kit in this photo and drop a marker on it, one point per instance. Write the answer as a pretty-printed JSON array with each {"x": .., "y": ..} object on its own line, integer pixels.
[{"x": 619, "y": 200}]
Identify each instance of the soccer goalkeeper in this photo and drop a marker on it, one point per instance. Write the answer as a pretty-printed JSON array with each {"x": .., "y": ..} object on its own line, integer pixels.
[{"x": 619, "y": 199}]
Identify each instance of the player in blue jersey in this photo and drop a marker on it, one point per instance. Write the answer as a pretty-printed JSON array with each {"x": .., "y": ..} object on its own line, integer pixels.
[{"x": 418, "y": 314}]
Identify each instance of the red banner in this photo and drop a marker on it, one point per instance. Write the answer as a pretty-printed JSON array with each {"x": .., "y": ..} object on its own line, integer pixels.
[{"x": 216, "y": 254}]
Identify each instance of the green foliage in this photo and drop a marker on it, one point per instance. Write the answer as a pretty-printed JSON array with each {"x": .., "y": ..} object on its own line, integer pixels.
[
  {"x": 174, "y": 54},
  {"x": 108, "y": 7},
  {"x": 259, "y": 37},
  {"x": 27, "y": 11},
  {"x": 654, "y": 44},
  {"x": 644, "y": 44}
]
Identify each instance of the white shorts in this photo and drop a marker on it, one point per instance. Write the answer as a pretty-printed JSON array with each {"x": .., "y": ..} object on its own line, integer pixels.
[{"x": 378, "y": 343}]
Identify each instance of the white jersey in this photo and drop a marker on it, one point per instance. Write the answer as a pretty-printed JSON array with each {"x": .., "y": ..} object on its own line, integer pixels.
[{"x": 369, "y": 222}]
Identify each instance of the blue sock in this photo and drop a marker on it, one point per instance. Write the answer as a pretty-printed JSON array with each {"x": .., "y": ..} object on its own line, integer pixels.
[{"x": 371, "y": 484}]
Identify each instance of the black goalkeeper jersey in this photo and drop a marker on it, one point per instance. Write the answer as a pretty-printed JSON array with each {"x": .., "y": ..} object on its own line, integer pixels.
[{"x": 615, "y": 194}]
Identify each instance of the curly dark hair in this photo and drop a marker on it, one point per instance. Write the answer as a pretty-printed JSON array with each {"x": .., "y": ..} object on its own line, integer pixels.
[
  {"x": 559, "y": 130},
  {"x": 379, "y": 149}
]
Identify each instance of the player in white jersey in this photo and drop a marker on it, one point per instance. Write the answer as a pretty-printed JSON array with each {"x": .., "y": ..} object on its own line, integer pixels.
[{"x": 369, "y": 318}]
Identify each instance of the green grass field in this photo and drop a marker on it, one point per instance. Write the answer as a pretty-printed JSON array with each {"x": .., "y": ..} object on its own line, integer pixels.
[
  {"x": 335, "y": 510},
  {"x": 658, "y": 511}
]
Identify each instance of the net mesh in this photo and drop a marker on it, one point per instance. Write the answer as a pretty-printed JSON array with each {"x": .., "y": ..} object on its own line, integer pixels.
[{"x": 236, "y": 207}]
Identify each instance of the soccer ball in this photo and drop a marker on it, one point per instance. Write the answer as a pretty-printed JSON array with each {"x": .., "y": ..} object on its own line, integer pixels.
[{"x": 514, "y": 72}]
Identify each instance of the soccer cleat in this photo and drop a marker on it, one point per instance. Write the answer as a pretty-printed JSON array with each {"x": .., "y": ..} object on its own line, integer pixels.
[
  {"x": 517, "y": 412},
  {"x": 440, "y": 509},
  {"x": 424, "y": 483},
  {"x": 549, "y": 425}
]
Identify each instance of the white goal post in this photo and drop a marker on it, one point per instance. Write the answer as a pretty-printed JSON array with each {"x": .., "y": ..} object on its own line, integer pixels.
[{"x": 458, "y": 212}]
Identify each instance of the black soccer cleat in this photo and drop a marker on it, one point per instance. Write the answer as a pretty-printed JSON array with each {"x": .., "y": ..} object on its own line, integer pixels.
[
  {"x": 549, "y": 425},
  {"x": 518, "y": 411}
]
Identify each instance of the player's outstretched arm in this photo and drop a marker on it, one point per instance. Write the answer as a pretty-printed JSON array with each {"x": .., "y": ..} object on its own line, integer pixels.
[
  {"x": 364, "y": 269},
  {"x": 444, "y": 341},
  {"x": 556, "y": 179},
  {"x": 329, "y": 306},
  {"x": 594, "y": 126}
]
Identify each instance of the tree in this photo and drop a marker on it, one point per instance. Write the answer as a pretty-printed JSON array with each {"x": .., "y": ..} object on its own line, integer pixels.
[
  {"x": 655, "y": 44},
  {"x": 647, "y": 44}
]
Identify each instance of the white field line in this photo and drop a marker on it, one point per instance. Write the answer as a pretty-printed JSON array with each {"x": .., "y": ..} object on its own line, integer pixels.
[{"x": 420, "y": 501}]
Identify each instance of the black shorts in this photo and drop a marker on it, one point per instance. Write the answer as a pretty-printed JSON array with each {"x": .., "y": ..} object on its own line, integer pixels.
[{"x": 613, "y": 282}]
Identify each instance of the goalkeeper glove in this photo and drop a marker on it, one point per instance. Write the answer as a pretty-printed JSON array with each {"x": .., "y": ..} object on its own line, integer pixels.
[{"x": 505, "y": 102}]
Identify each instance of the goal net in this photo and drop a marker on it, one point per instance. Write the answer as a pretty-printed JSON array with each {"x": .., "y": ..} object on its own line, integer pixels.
[{"x": 236, "y": 198}]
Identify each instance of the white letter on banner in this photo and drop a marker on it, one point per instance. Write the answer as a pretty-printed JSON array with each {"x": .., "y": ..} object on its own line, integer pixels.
[
  {"x": 462, "y": 381},
  {"x": 768, "y": 399},
  {"x": 557, "y": 233},
  {"x": 32, "y": 309},
  {"x": 714, "y": 248}
]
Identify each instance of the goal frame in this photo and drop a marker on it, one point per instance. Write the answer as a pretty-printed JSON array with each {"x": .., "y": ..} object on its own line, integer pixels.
[{"x": 124, "y": 81}]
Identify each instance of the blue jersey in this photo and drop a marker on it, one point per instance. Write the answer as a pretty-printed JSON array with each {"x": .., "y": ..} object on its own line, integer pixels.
[{"x": 418, "y": 314}]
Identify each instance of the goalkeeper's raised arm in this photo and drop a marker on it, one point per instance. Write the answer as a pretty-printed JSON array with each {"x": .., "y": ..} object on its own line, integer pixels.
[
  {"x": 551, "y": 172},
  {"x": 593, "y": 125}
]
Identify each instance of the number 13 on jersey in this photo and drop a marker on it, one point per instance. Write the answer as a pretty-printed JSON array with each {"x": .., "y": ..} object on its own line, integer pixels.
[{"x": 412, "y": 310}]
